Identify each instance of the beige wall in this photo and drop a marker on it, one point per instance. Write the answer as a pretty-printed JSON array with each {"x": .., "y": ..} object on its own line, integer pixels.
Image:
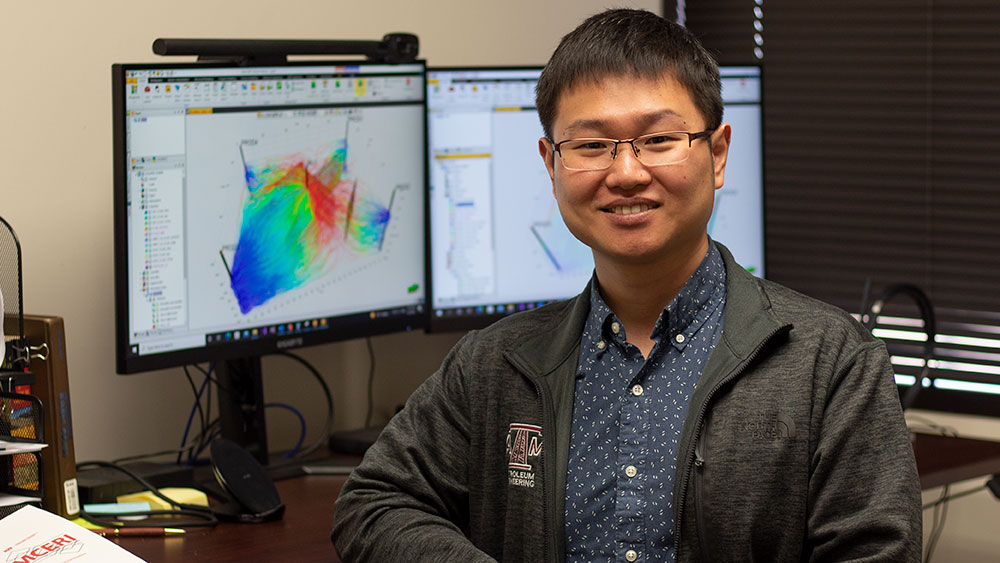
[{"x": 55, "y": 151}]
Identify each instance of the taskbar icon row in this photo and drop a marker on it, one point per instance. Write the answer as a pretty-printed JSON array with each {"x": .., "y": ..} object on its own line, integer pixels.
[
  {"x": 309, "y": 325},
  {"x": 255, "y": 333},
  {"x": 481, "y": 310}
]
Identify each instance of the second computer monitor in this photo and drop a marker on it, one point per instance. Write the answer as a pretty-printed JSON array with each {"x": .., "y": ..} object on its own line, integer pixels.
[{"x": 497, "y": 243}]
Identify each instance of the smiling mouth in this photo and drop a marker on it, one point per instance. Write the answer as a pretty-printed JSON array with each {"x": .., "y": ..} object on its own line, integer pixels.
[{"x": 629, "y": 209}]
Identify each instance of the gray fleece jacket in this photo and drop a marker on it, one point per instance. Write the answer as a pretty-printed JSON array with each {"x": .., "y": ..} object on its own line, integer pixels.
[{"x": 794, "y": 447}]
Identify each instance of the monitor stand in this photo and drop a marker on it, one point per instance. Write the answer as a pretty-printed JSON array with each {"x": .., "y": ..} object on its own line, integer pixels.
[
  {"x": 241, "y": 415},
  {"x": 241, "y": 405}
]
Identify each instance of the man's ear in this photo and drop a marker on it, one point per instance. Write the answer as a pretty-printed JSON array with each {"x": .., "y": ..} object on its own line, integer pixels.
[
  {"x": 548, "y": 153},
  {"x": 720, "y": 152}
]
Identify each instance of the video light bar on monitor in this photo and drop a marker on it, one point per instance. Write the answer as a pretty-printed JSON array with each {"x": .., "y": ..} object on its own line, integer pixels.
[
  {"x": 259, "y": 208},
  {"x": 497, "y": 243}
]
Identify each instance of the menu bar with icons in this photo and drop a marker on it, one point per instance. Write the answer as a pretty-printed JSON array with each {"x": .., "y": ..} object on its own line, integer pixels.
[
  {"x": 498, "y": 91},
  {"x": 147, "y": 89}
]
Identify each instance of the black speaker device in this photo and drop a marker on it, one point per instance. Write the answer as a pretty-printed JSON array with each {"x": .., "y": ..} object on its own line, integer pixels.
[{"x": 243, "y": 478}]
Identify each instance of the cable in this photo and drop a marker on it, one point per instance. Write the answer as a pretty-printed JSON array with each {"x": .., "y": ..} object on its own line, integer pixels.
[
  {"x": 937, "y": 527},
  {"x": 371, "y": 383},
  {"x": 944, "y": 499},
  {"x": 207, "y": 434},
  {"x": 926, "y": 307},
  {"x": 197, "y": 446},
  {"x": 208, "y": 396},
  {"x": 940, "y": 507},
  {"x": 197, "y": 398},
  {"x": 195, "y": 407},
  {"x": 203, "y": 439},
  {"x": 865, "y": 294},
  {"x": 206, "y": 441},
  {"x": 930, "y": 425},
  {"x": 328, "y": 427},
  {"x": 302, "y": 423},
  {"x": 139, "y": 457},
  {"x": 208, "y": 392},
  {"x": 203, "y": 515}
]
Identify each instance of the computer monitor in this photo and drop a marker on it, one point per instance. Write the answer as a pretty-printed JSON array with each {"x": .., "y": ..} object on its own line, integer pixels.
[
  {"x": 262, "y": 208},
  {"x": 497, "y": 243}
]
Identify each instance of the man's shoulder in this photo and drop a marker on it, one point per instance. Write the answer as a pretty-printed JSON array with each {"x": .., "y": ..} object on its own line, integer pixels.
[
  {"x": 749, "y": 295},
  {"x": 804, "y": 312},
  {"x": 790, "y": 301}
]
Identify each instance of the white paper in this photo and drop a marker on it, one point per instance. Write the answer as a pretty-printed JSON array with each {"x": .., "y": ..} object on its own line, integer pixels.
[
  {"x": 11, "y": 500},
  {"x": 32, "y": 534}
]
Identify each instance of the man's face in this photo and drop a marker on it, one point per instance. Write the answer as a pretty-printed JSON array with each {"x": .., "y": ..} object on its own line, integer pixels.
[{"x": 630, "y": 213}]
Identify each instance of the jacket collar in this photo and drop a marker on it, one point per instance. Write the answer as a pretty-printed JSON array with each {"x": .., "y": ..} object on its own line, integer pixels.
[
  {"x": 749, "y": 318},
  {"x": 749, "y": 315},
  {"x": 543, "y": 352}
]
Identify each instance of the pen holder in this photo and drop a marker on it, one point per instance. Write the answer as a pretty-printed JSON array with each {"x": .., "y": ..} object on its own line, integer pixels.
[
  {"x": 21, "y": 478},
  {"x": 21, "y": 418}
]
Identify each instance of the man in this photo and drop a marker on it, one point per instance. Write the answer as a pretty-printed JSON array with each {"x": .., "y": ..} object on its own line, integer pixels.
[{"x": 679, "y": 409}]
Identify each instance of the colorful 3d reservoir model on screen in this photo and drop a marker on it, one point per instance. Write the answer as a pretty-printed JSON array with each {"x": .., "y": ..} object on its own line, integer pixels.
[{"x": 301, "y": 217}]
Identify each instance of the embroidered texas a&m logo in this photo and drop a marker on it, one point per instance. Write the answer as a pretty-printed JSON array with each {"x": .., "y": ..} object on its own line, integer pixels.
[{"x": 524, "y": 445}]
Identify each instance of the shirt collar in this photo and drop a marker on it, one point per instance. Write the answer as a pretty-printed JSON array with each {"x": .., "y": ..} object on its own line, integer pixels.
[
  {"x": 703, "y": 292},
  {"x": 598, "y": 321}
]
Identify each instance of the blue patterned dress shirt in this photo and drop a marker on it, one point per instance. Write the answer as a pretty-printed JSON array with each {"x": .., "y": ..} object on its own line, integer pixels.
[{"x": 627, "y": 418}]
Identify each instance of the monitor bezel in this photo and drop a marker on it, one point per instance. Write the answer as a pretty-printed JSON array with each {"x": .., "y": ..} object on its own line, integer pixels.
[{"x": 340, "y": 328}]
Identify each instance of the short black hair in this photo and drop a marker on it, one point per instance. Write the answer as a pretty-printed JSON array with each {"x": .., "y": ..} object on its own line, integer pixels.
[{"x": 622, "y": 42}]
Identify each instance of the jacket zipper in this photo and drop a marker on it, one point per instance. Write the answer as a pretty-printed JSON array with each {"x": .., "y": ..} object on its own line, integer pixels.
[
  {"x": 549, "y": 424},
  {"x": 699, "y": 464},
  {"x": 547, "y": 460},
  {"x": 698, "y": 460}
]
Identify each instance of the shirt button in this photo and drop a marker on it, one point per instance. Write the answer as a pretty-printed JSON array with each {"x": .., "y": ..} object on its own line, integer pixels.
[
  {"x": 601, "y": 345},
  {"x": 679, "y": 338},
  {"x": 637, "y": 390},
  {"x": 631, "y": 555},
  {"x": 616, "y": 328},
  {"x": 631, "y": 471}
]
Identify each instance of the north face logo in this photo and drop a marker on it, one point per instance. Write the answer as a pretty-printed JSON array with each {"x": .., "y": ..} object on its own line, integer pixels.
[
  {"x": 524, "y": 445},
  {"x": 768, "y": 426}
]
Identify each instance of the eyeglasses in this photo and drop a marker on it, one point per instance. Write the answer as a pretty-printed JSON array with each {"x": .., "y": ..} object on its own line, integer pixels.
[{"x": 655, "y": 149}]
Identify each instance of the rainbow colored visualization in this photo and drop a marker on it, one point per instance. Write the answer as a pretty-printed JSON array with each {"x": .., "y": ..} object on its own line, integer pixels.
[{"x": 300, "y": 218}]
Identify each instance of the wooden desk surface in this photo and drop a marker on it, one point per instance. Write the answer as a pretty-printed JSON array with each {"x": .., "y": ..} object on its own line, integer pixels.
[
  {"x": 942, "y": 460},
  {"x": 304, "y": 532},
  {"x": 302, "y": 535}
]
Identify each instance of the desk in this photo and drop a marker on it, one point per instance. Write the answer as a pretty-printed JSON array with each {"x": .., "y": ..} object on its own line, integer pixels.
[
  {"x": 302, "y": 535},
  {"x": 942, "y": 460}
]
